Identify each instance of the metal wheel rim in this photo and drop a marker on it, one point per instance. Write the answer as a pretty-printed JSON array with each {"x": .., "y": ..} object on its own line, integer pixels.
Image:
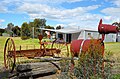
[
  {"x": 62, "y": 46},
  {"x": 9, "y": 58}
]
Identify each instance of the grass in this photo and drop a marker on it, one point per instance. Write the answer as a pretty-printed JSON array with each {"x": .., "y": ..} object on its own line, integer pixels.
[
  {"x": 113, "y": 50},
  {"x": 113, "y": 47},
  {"x": 25, "y": 44},
  {"x": 2, "y": 42}
]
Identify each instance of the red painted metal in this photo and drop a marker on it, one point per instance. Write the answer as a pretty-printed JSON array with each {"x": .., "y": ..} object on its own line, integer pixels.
[
  {"x": 82, "y": 45},
  {"x": 10, "y": 52},
  {"x": 79, "y": 46},
  {"x": 106, "y": 28}
]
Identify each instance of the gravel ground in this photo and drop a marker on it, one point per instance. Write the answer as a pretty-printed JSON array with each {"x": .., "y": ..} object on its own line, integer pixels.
[
  {"x": 3, "y": 73},
  {"x": 48, "y": 77}
]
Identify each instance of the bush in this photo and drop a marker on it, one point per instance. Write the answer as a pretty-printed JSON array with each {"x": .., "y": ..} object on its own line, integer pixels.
[
  {"x": 24, "y": 37},
  {"x": 90, "y": 65},
  {"x": 0, "y": 34}
]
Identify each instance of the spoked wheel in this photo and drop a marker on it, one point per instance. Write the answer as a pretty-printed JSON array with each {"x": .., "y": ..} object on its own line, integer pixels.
[
  {"x": 62, "y": 48},
  {"x": 9, "y": 55},
  {"x": 43, "y": 44},
  {"x": 46, "y": 45}
]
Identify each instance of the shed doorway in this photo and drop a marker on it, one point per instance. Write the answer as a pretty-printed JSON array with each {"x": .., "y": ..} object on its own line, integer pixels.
[{"x": 68, "y": 38}]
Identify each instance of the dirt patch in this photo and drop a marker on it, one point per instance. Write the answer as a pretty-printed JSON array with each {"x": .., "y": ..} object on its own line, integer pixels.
[
  {"x": 3, "y": 72},
  {"x": 49, "y": 77},
  {"x": 2, "y": 68}
]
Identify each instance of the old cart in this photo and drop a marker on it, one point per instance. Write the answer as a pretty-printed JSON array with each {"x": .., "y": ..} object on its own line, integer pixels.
[{"x": 10, "y": 52}]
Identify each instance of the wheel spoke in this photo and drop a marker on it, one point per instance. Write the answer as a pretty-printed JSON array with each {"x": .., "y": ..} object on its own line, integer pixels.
[
  {"x": 62, "y": 47},
  {"x": 11, "y": 63},
  {"x": 9, "y": 54},
  {"x": 8, "y": 61}
]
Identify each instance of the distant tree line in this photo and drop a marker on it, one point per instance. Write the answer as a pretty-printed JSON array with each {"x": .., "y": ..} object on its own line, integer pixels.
[
  {"x": 1, "y": 31},
  {"x": 12, "y": 30},
  {"x": 26, "y": 29}
]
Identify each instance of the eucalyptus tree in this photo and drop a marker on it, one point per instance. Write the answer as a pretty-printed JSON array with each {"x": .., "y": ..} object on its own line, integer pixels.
[{"x": 25, "y": 31}]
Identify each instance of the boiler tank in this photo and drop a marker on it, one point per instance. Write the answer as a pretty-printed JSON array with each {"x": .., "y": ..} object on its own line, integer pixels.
[{"x": 81, "y": 46}]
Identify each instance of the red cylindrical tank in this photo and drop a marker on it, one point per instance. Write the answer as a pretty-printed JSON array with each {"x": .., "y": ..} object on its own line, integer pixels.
[
  {"x": 79, "y": 46},
  {"x": 106, "y": 28}
]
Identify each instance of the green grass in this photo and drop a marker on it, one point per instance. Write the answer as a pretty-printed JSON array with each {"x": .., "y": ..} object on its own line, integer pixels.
[
  {"x": 2, "y": 42},
  {"x": 116, "y": 76},
  {"x": 114, "y": 50},
  {"x": 25, "y": 44},
  {"x": 113, "y": 47},
  {"x": 33, "y": 43}
]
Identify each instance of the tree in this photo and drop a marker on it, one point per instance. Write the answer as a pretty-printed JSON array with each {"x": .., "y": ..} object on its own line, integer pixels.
[
  {"x": 27, "y": 28},
  {"x": 9, "y": 28},
  {"x": 117, "y": 24},
  {"x": 59, "y": 27},
  {"x": 49, "y": 27},
  {"x": 25, "y": 31},
  {"x": 16, "y": 30},
  {"x": 39, "y": 23},
  {"x": 31, "y": 24},
  {"x": 1, "y": 31}
]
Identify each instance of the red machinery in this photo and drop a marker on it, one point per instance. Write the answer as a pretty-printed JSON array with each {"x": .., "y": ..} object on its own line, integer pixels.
[
  {"x": 11, "y": 54},
  {"x": 83, "y": 45}
]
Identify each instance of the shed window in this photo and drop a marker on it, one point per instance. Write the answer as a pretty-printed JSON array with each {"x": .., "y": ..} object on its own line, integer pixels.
[{"x": 89, "y": 35}]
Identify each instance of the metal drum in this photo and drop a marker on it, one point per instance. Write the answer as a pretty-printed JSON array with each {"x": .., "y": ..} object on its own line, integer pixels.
[
  {"x": 79, "y": 46},
  {"x": 106, "y": 28}
]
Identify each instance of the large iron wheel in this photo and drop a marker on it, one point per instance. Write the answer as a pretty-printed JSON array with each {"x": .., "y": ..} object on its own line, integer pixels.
[
  {"x": 62, "y": 47},
  {"x": 9, "y": 55}
]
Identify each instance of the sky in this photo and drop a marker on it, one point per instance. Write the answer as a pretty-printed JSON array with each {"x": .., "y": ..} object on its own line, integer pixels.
[{"x": 67, "y": 13}]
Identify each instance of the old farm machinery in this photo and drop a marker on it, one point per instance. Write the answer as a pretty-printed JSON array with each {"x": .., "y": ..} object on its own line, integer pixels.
[
  {"x": 11, "y": 54},
  {"x": 76, "y": 47},
  {"x": 91, "y": 53},
  {"x": 83, "y": 45}
]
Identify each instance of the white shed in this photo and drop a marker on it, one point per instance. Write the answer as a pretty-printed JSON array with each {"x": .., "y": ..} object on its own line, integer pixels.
[
  {"x": 118, "y": 37},
  {"x": 71, "y": 34},
  {"x": 85, "y": 34}
]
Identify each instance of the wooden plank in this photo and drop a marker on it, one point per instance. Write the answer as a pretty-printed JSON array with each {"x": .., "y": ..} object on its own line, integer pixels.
[
  {"x": 44, "y": 72},
  {"x": 55, "y": 58},
  {"x": 42, "y": 68},
  {"x": 31, "y": 66},
  {"x": 35, "y": 50}
]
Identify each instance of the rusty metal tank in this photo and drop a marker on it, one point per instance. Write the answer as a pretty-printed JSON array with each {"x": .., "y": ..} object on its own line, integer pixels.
[
  {"x": 106, "y": 28},
  {"x": 81, "y": 46}
]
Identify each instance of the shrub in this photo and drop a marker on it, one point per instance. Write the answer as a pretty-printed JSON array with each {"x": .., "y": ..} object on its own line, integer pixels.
[
  {"x": 90, "y": 65},
  {"x": 24, "y": 37}
]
